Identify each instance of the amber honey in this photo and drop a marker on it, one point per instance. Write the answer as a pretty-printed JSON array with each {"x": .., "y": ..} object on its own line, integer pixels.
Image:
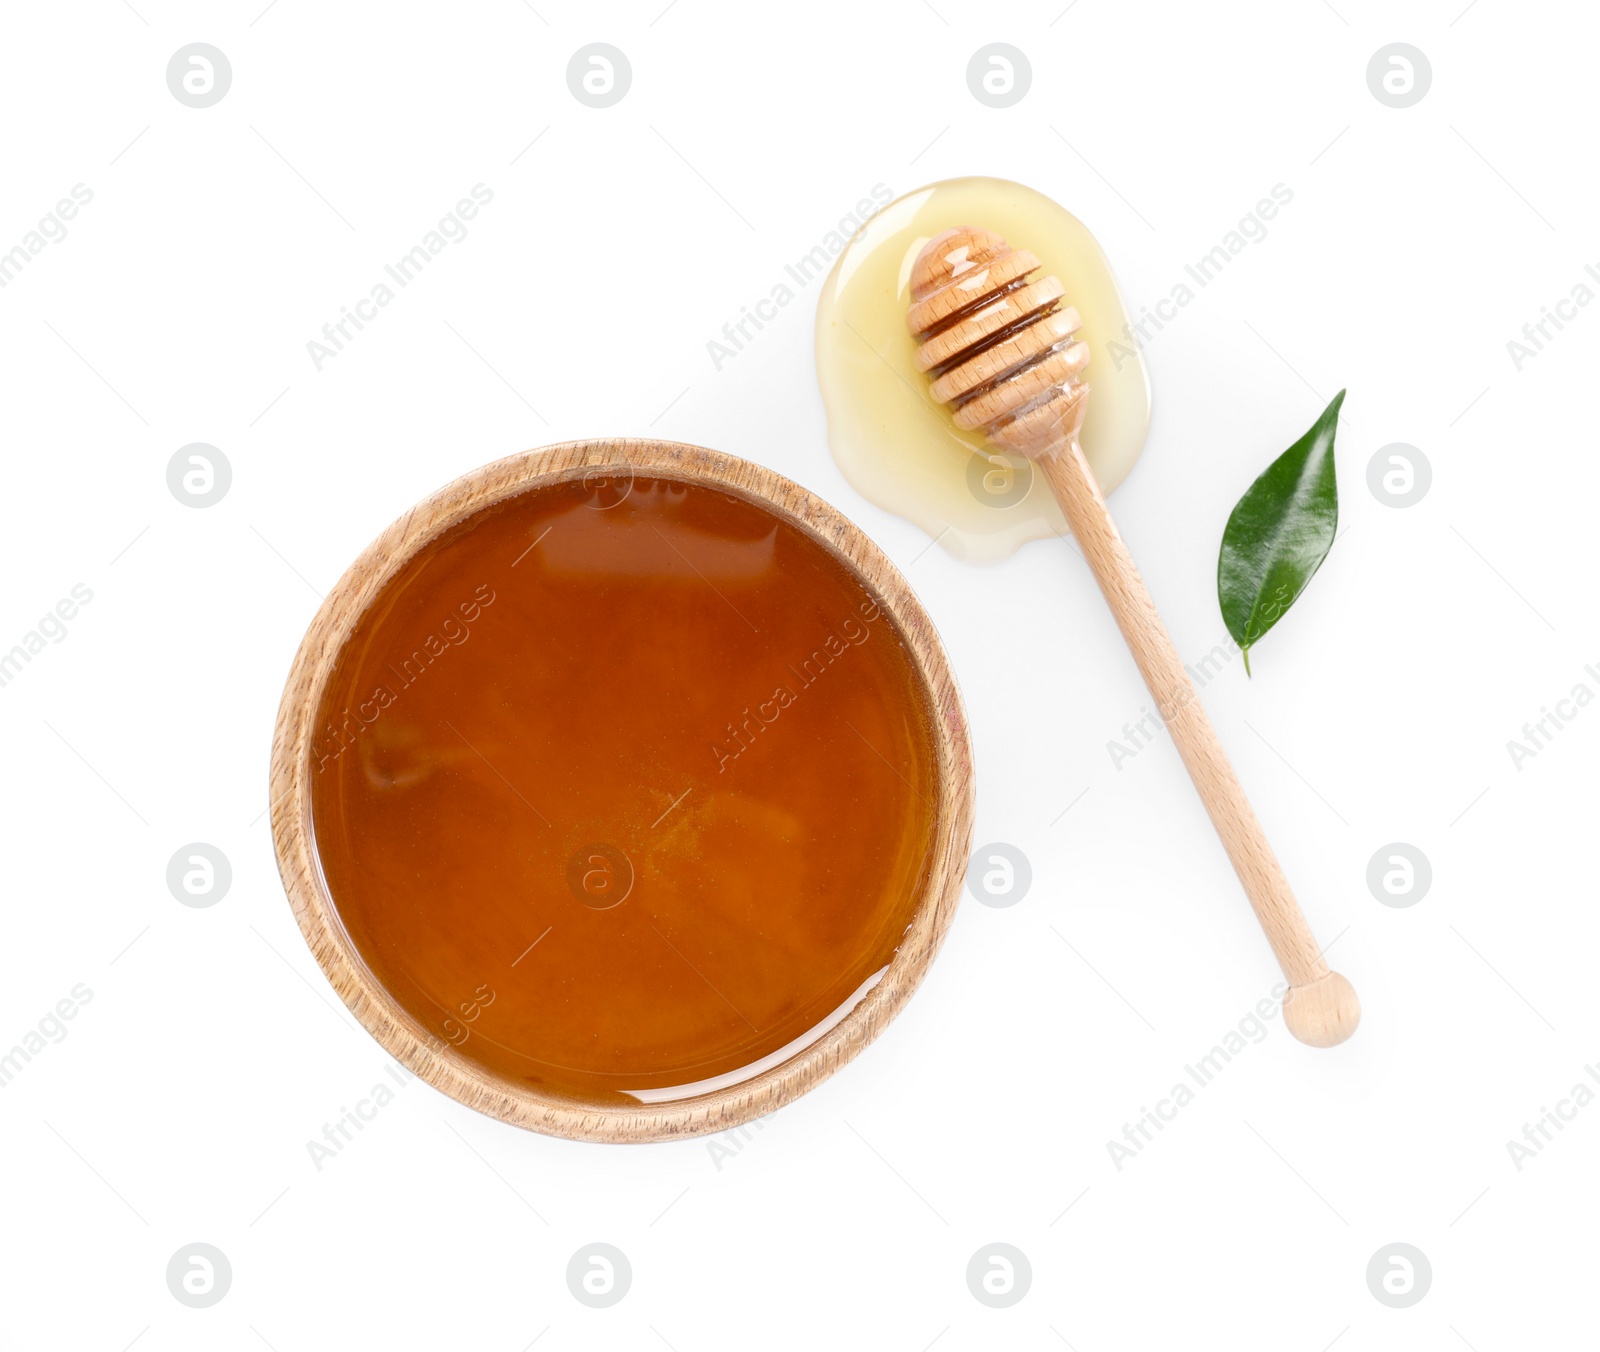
[{"x": 624, "y": 789}]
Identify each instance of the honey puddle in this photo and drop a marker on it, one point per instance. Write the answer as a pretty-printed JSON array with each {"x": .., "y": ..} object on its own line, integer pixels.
[
  {"x": 899, "y": 448},
  {"x": 624, "y": 792}
]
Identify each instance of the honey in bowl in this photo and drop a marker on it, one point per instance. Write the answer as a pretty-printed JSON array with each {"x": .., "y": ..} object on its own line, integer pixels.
[{"x": 624, "y": 789}]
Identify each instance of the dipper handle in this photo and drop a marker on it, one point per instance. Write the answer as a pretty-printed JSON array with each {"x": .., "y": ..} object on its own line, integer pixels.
[{"x": 1321, "y": 1007}]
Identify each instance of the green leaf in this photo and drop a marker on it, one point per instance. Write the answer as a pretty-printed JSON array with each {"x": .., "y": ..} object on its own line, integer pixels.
[{"x": 1279, "y": 534}]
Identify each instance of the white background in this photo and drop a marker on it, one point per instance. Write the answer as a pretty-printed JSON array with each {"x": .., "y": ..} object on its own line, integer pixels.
[{"x": 178, "y": 308}]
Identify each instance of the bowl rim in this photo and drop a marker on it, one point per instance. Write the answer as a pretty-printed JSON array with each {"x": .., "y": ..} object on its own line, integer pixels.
[{"x": 432, "y": 1058}]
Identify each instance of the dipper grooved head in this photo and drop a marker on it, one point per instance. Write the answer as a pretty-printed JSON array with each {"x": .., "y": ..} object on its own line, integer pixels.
[{"x": 1000, "y": 348}]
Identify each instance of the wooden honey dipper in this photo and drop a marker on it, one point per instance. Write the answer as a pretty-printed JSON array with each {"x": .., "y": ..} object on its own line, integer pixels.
[{"x": 1001, "y": 351}]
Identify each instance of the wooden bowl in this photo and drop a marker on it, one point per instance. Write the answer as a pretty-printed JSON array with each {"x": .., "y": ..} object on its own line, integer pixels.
[{"x": 382, "y": 1014}]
